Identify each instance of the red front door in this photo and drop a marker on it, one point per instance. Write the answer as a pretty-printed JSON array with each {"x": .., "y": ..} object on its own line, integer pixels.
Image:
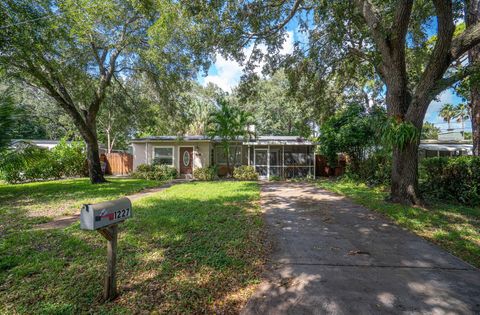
[{"x": 186, "y": 160}]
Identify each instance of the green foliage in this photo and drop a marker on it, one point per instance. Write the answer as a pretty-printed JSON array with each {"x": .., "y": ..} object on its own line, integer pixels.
[
  {"x": 245, "y": 172},
  {"x": 448, "y": 112},
  {"x": 205, "y": 173},
  {"x": 429, "y": 131},
  {"x": 353, "y": 130},
  {"x": 374, "y": 170},
  {"x": 399, "y": 133},
  {"x": 6, "y": 119},
  {"x": 228, "y": 124},
  {"x": 155, "y": 172},
  {"x": 31, "y": 163},
  {"x": 28, "y": 164},
  {"x": 452, "y": 178},
  {"x": 275, "y": 110},
  {"x": 70, "y": 157}
]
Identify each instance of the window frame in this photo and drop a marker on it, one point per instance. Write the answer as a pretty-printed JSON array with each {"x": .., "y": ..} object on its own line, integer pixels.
[
  {"x": 219, "y": 149},
  {"x": 164, "y": 147}
]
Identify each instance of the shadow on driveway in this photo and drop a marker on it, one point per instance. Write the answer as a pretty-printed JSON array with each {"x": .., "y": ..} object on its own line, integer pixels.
[{"x": 332, "y": 256}]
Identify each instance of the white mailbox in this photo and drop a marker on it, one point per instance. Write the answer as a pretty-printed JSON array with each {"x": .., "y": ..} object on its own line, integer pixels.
[{"x": 101, "y": 215}]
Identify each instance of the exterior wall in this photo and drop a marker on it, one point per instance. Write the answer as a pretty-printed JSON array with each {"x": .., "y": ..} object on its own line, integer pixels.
[
  {"x": 143, "y": 153},
  {"x": 138, "y": 152}
]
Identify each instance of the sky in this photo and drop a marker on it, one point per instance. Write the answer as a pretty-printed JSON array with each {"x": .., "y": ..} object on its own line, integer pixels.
[{"x": 226, "y": 74}]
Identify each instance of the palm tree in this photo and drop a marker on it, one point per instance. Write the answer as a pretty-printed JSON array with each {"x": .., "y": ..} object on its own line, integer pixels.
[
  {"x": 448, "y": 112},
  {"x": 228, "y": 123},
  {"x": 462, "y": 113}
]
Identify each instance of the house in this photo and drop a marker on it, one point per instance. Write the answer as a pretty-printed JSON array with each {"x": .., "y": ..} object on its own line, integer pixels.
[
  {"x": 450, "y": 143},
  {"x": 45, "y": 144},
  {"x": 282, "y": 156}
]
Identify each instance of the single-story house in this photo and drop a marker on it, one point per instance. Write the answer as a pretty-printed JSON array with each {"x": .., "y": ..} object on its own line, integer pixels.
[
  {"x": 282, "y": 156},
  {"x": 434, "y": 148},
  {"x": 449, "y": 143}
]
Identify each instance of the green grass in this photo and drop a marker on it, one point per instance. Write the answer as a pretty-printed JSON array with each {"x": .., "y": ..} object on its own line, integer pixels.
[
  {"x": 25, "y": 204},
  {"x": 454, "y": 227},
  {"x": 193, "y": 248}
]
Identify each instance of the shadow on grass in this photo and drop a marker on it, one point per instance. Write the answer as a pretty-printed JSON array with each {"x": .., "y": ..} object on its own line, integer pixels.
[{"x": 194, "y": 248}]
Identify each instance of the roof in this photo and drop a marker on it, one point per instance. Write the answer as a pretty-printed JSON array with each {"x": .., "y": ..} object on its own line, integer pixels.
[
  {"x": 279, "y": 140},
  {"x": 451, "y": 147},
  {"x": 261, "y": 140}
]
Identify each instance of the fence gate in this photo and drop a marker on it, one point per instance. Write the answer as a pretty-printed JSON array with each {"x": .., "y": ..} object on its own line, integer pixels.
[{"x": 119, "y": 163}]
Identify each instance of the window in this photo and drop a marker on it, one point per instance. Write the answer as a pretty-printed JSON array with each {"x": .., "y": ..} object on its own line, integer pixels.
[
  {"x": 221, "y": 156},
  {"x": 163, "y": 155}
]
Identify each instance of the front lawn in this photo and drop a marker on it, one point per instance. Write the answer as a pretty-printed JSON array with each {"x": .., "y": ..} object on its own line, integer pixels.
[
  {"x": 23, "y": 205},
  {"x": 454, "y": 227},
  {"x": 193, "y": 248}
]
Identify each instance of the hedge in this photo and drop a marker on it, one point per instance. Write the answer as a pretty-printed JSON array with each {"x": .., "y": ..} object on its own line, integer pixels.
[
  {"x": 245, "y": 173},
  {"x": 155, "y": 172},
  {"x": 452, "y": 178},
  {"x": 32, "y": 163},
  {"x": 205, "y": 173}
]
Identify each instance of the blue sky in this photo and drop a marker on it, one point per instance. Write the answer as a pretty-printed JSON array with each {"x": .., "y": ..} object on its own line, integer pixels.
[{"x": 226, "y": 74}]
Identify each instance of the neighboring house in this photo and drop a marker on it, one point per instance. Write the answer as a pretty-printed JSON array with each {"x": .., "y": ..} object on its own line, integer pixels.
[
  {"x": 450, "y": 143},
  {"x": 282, "y": 156},
  {"x": 47, "y": 144}
]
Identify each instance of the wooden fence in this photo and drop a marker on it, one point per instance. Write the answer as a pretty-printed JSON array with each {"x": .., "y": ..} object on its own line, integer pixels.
[{"x": 119, "y": 163}]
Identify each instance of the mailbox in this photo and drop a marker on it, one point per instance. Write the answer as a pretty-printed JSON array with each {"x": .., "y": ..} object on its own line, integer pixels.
[{"x": 104, "y": 214}]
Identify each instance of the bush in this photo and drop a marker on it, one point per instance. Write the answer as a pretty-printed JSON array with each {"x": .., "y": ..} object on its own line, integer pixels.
[
  {"x": 155, "y": 172},
  {"x": 245, "y": 173},
  {"x": 374, "y": 170},
  {"x": 452, "y": 178},
  {"x": 205, "y": 173},
  {"x": 29, "y": 163},
  {"x": 70, "y": 157}
]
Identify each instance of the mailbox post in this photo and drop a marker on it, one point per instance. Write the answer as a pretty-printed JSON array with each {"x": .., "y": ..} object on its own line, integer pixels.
[{"x": 104, "y": 218}]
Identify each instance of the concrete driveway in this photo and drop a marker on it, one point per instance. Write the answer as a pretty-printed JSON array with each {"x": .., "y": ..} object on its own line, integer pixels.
[{"x": 331, "y": 256}]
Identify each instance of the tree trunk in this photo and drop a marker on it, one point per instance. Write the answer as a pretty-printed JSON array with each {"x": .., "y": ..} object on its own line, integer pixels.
[
  {"x": 472, "y": 17},
  {"x": 94, "y": 166},
  {"x": 404, "y": 187}
]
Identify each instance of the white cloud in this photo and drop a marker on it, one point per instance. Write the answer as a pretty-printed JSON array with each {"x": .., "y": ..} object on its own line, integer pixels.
[{"x": 228, "y": 72}]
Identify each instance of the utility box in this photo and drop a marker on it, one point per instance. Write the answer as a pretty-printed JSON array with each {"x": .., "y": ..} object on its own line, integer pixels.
[{"x": 101, "y": 215}]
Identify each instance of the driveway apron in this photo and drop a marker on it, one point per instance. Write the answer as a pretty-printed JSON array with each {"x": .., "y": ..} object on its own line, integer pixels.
[{"x": 332, "y": 256}]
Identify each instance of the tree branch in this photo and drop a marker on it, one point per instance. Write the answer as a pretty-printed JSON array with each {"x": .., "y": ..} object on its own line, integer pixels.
[
  {"x": 371, "y": 16},
  {"x": 465, "y": 41}
]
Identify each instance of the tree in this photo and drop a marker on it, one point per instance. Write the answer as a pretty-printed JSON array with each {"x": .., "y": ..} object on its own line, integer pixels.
[
  {"x": 462, "y": 112},
  {"x": 228, "y": 124},
  {"x": 429, "y": 131},
  {"x": 413, "y": 71},
  {"x": 7, "y": 120},
  {"x": 275, "y": 110},
  {"x": 448, "y": 112},
  {"x": 73, "y": 50},
  {"x": 472, "y": 18},
  {"x": 353, "y": 130}
]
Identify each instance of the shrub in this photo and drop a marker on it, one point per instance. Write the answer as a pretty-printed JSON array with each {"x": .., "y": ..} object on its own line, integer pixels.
[
  {"x": 155, "y": 172},
  {"x": 245, "y": 173},
  {"x": 376, "y": 169},
  {"x": 29, "y": 163},
  {"x": 205, "y": 173},
  {"x": 70, "y": 157},
  {"x": 456, "y": 178}
]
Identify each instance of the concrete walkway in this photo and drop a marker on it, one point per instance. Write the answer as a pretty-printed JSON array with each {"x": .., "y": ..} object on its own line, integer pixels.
[{"x": 331, "y": 256}]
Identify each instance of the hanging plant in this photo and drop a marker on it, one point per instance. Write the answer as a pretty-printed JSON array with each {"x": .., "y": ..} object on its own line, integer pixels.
[{"x": 400, "y": 133}]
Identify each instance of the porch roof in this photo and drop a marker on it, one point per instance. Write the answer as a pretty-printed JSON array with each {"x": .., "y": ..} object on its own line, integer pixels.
[{"x": 279, "y": 140}]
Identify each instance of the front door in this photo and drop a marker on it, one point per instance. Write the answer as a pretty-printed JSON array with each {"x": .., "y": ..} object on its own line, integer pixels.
[{"x": 186, "y": 160}]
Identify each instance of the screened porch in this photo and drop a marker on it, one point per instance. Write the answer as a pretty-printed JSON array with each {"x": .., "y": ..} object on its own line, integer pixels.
[{"x": 283, "y": 160}]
